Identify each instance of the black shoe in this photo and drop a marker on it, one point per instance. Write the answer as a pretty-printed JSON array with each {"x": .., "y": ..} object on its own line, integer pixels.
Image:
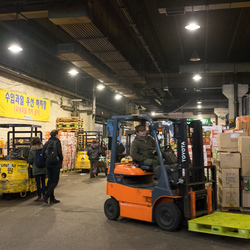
[
  {"x": 54, "y": 201},
  {"x": 45, "y": 198}
]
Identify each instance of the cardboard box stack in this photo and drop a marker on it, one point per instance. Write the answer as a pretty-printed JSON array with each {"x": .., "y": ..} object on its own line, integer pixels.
[
  {"x": 229, "y": 168},
  {"x": 71, "y": 136},
  {"x": 229, "y": 180},
  {"x": 207, "y": 151},
  {"x": 244, "y": 149}
]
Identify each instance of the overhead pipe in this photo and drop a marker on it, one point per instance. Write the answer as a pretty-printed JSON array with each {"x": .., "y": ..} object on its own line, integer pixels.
[{"x": 172, "y": 11}]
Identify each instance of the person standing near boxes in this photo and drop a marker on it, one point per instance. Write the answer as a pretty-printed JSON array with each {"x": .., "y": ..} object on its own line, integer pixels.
[
  {"x": 94, "y": 153},
  {"x": 53, "y": 157}
]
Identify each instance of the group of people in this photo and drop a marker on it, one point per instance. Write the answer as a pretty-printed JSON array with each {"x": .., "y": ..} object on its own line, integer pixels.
[
  {"x": 142, "y": 151},
  {"x": 50, "y": 168},
  {"x": 94, "y": 152}
]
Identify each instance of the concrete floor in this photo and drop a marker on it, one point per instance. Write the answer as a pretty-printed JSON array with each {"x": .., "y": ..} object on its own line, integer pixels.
[{"x": 78, "y": 222}]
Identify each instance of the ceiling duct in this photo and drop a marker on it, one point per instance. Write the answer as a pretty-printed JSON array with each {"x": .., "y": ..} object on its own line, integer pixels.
[{"x": 113, "y": 69}]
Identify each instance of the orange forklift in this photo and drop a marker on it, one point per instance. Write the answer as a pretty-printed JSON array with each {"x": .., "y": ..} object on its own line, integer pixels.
[{"x": 178, "y": 190}]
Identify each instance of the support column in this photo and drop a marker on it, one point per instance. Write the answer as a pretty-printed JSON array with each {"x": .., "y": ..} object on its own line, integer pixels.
[
  {"x": 94, "y": 105},
  {"x": 242, "y": 90},
  {"x": 221, "y": 115},
  {"x": 228, "y": 91},
  {"x": 234, "y": 93}
]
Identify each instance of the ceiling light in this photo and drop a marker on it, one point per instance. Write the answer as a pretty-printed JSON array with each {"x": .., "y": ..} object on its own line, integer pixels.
[
  {"x": 199, "y": 107},
  {"x": 197, "y": 77},
  {"x": 73, "y": 72},
  {"x": 192, "y": 23},
  {"x": 153, "y": 113},
  {"x": 192, "y": 26},
  {"x": 100, "y": 86},
  {"x": 195, "y": 57},
  {"x": 118, "y": 96},
  {"x": 100, "y": 80},
  {"x": 76, "y": 100},
  {"x": 199, "y": 102},
  {"x": 15, "y": 48}
]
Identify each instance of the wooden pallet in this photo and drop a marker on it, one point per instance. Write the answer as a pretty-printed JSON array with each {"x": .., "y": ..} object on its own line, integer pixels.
[
  {"x": 69, "y": 124},
  {"x": 228, "y": 209},
  {"x": 245, "y": 209},
  {"x": 226, "y": 224},
  {"x": 69, "y": 119}
]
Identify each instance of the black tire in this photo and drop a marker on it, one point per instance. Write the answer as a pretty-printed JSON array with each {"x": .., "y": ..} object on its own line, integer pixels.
[
  {"x": 168, "y": 216},
  {"x": 112, "y": 209}
]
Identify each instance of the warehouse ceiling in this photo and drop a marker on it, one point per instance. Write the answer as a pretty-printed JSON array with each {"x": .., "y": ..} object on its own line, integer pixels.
[{"x": 139, "y": 49}]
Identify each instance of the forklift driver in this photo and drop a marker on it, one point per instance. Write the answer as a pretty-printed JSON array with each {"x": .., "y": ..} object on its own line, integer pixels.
[{"x": 143, "y": 149}]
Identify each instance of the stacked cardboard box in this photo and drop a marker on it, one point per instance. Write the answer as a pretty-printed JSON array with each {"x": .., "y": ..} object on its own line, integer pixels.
[
  {"x": 244, "y": 149},
  {"x": 243, "y": 123},
  {"x": 229, "y": 168},
  {"x": 207, "y": 151},
  {"x": 229, "y": 180}
]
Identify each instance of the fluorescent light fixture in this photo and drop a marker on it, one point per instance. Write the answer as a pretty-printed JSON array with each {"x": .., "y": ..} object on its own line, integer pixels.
[
  {"x": 100, "y": 86},
  {"x": 199, "y": 102},
  {"x": 118, "y": 96},
  {"x": 153, "y": 113},
  {"x": 197, "y": 77},
  {"x": 73, "y": 72},
  {"x": 76, "y": 100},
  {"x": 158, "y": 101},
  {"x": 199, "y": 106},
  {"x": 15, "y": 48},
  {"x": 100, "y": 80}
]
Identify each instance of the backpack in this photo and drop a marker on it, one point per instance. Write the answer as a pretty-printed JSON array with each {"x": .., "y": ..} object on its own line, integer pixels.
[
  {"x": 40, "y": 159},
  {"x": 51, "y": 153}
]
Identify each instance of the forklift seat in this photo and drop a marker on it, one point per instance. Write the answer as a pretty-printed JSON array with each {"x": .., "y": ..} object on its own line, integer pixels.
[{"x": 146, "y": 168}]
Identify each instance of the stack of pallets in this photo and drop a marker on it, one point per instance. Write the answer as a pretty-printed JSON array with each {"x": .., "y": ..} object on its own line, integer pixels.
[{"x": 69, "y": 124}]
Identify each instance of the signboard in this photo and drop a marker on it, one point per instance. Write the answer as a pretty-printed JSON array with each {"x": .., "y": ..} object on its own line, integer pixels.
[
  {"x": 21, "y": 106},
  {"x": 205, "y": 121}
]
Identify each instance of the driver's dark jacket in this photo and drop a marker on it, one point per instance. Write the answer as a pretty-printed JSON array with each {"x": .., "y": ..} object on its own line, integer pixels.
[{"x": 142, "y": 149}]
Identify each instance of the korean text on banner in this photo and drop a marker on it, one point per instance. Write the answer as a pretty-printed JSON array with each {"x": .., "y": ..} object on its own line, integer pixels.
[{"x": 21, "y": 106}]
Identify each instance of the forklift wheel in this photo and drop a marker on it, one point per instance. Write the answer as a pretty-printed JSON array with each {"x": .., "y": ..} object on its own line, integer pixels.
[
  {"x": 112, "y": 209},
  {"x": 168, "y": 216}
]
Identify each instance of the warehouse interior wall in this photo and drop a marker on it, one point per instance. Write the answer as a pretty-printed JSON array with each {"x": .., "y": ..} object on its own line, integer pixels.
[{"x": 55, "y": 108}]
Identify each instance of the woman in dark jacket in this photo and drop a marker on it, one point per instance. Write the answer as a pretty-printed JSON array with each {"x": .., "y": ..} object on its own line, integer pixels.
[
  {"x": 93, "y": 153},
  {"x": 38, "y": 173}
]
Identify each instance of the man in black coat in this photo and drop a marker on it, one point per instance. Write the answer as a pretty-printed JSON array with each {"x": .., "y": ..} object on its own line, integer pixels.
[{"x": 53, "y": 169}]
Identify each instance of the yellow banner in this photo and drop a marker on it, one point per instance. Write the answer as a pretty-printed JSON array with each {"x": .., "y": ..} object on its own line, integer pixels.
[{"x": 20, "y": 106}]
